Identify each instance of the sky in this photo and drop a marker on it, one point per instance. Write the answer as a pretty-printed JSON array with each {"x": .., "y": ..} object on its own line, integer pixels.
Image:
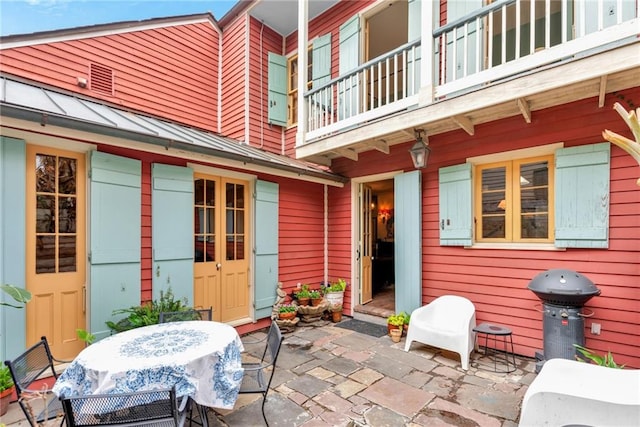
[{"x": 29, "y": 16}]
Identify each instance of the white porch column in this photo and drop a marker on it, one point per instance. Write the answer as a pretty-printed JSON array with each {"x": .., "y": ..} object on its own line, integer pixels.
[
  {"x": 303, "y": 60},
  {"x": 427, "y": 16}
]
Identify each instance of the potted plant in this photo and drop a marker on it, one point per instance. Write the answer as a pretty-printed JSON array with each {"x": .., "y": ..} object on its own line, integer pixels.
[
  {"x": 334, "y": 293},
  {"x": 395, "y": 321},
  {"x": 336, "y": 313},
  {"x": 6, "y": 389},
  {"x": 316, "y": 298},
  {"x": 287, "y": 311},
  {"x": 303, "y": 295}
]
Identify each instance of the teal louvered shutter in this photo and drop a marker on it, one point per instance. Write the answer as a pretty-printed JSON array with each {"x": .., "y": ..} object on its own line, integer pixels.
[
  {"x": 321, "y": 70},
  {"x": 456, "y": 221},
  {"x": 172, "y": 230},
  {"x": 277, "y": 98},
  {"x": 13, "y": 190},
  {"x": 349, "y": 60},
  {"x": 115, "y": 238},
  {"x": 582, "y": 196},
  {"x": 408, "y": 238},
  {"x": 414, "y": 32},
  {"x": 266, "y": 253}
]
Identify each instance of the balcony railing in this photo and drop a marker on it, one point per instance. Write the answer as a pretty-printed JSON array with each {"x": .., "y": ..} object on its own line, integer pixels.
[{"x": 499, "y": 41}]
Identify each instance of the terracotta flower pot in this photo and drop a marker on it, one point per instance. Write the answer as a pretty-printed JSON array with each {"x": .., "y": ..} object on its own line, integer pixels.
[
  {"x": 303, "y": 301},
  {"x": 5, "y": 399},
  {"x": 396, "y": 334},
  {"x": 287, "y": 316},
  {"x": 315, "y": 302},
  {"x": 336, "y": 316}
]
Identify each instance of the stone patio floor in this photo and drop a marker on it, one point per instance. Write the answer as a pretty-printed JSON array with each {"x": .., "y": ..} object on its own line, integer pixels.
[{"x": 330, "y": 376}]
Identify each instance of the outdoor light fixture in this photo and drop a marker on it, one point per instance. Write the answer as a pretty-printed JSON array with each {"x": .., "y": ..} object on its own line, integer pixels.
[{"x": 420, "y": 150}]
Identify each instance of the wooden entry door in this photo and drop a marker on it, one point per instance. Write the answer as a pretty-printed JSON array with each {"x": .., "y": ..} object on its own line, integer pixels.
[
  {"x": 366, "y": 244},
  {"x": 56, "y": 251},
  {"x": 221, "y": 256}
]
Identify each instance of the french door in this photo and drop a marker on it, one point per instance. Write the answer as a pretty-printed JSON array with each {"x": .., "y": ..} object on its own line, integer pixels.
[
  {"x": 221, "y": 252},
  {"x": 56, "y": 250}
]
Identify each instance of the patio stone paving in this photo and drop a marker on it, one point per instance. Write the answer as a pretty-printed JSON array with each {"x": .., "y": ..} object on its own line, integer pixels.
[{"x": 329, "y": 376}]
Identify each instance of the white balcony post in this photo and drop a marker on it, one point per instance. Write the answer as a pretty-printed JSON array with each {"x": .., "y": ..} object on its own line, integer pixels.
[
  {"x": 427, "y": 52},
  {"x": 303, "y": 60}
]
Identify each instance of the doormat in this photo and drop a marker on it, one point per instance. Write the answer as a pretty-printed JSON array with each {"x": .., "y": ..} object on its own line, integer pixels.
[{"x": 367, "y": 328}]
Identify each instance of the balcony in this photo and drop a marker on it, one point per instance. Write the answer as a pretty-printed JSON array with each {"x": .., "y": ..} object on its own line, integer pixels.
[{"x": 508, "y": 58}]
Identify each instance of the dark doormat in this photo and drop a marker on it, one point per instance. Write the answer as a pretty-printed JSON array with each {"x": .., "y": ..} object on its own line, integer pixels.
[{"x": 368, "y": 328}]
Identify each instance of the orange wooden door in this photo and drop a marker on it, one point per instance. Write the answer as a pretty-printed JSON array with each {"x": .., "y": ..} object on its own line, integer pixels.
[{"x": 56, "y": 250}]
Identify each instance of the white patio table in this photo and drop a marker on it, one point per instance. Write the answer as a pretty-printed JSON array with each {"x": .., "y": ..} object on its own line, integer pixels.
[{"x": 200, "y": 358}]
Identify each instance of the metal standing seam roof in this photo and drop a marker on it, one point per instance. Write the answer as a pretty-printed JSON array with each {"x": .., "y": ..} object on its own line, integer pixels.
[{"x": 34, "y": 103}]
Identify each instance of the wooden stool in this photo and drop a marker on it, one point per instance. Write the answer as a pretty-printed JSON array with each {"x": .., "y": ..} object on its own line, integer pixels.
[{"x": 495, "y": 331}]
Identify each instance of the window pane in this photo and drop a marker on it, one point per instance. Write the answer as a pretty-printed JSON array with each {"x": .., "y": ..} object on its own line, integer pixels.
[
  {"x": 230, "y": 193},
  {"x": 493, "y": 227},
  {"x": 66, "y": 175},
  {"x": 45, "y": 254},
  {"x": 198, "y": 251},
  {"x": 230, "y": 248},
  {"x": 230, "y": 222},
  {"x": 535, "y": 226},
  {"x": 198, "y": 192},
  {"x": 198, "y": 220},
  {"x": 67, "y": 253},
  {"x": 45, "y": 173},
  {"x": 211, "y": 220},
  {"x": 45, "y": 214},
  {"x": 240, "y": 247},
  {"x": 211, "y": 193},
  {"x": 239, "y": 196},
  {"x": 494, "y": 179},
  {"x": 239, "y": 222},
  {"x": 534, "y": 200},
  {"x": 67, "y": 215},
  {"x": 211, "y": 248}
]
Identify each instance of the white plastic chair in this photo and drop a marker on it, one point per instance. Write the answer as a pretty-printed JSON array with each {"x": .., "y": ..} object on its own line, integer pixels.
[
  {"x": 568, "y": 392},
  {"x": 447, "y": 323}
]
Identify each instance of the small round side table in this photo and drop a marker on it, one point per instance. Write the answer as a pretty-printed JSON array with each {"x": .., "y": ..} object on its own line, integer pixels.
[{"x": 496, "y": 332}]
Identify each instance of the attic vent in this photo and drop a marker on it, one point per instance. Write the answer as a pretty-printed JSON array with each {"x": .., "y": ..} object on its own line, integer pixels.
[{"x": 101, "y": 78}]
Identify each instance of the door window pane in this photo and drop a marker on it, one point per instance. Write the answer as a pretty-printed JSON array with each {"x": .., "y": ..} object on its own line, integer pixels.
[
  {"x": 56, "y": 188},
  {"x": 198, "y": 192},
  {"x": 204, "y": 221},
  {"x": 494, "y": 203}
]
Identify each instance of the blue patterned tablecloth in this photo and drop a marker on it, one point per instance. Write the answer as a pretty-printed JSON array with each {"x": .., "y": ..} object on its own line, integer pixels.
[{"x": 201, "y": 358}]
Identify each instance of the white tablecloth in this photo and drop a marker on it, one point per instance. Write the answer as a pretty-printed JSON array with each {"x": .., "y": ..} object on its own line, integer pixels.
[{"x": 201, "y": 358}]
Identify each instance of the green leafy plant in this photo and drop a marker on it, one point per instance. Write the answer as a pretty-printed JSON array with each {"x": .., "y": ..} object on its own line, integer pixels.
[
  {"x": 19, "y": 295},
  {"x": 606, "y": 360},
  {"x": 314, "y": 294},
  {"x": 304, "y": 292},
  {"x": 338, "y": 286},
  {"x": 396, "y": 319},
  {"x": 6, "y": 381},
  {"x": 287, "y": 308},
  {"x": 406, "y": 317},
  {"x": 85, "y": 336},
  {"x": 149, "y": 313}
]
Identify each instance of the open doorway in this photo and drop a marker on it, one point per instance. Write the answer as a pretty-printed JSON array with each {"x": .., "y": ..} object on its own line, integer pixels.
[{"x": 377, "y": 249}]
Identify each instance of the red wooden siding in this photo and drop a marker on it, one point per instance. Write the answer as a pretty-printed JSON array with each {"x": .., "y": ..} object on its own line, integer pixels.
[
  {"x": 233, "y": 80},
  {"x": 496, "y": 280},
  {"x": 301, "y": 233},
  {"x": 170, "y": 72},
  {"x": 262, "y": 41}
]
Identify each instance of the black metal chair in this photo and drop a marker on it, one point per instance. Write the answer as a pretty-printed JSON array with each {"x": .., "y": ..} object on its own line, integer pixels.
[
  {"x": 25, "y": 370},
  {"x": 179, "y": 316},
  {"x": 157, "y": 408},
  {"x": 258, "y": 375}
]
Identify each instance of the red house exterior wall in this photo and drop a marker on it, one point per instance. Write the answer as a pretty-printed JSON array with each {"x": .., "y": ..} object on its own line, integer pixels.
[
  {"x": 233, "y": 79},
  {"x": 180, "y": 84},
  {"x": 496, "y": 279}
]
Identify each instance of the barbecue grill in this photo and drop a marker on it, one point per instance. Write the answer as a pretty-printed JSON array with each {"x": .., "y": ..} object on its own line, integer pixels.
[{"x": 563, "y": 294}]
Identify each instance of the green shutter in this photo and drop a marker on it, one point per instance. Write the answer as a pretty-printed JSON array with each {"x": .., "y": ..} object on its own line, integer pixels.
[
  {"x": 277, "y": 89},
  {"x": 321, "y": 60},
  {"x": 455, "y": 205},
  {"x": 408, "y": 241},
  {"x": 266, "y": 253},
  {"x": 172, "y": 230},
  {"x": 349, "y": 60},
  {"x": 582, "y": 196},
  {"x": 114, "y": 237},
  {"x": 13, "y": 170}
]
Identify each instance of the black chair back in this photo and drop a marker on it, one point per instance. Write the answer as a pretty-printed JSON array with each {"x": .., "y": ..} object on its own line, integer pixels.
[{"x": 149, "y": 408}]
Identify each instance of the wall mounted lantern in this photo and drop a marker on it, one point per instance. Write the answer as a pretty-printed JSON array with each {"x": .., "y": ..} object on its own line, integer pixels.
[{"x": 420, "y": 150}]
